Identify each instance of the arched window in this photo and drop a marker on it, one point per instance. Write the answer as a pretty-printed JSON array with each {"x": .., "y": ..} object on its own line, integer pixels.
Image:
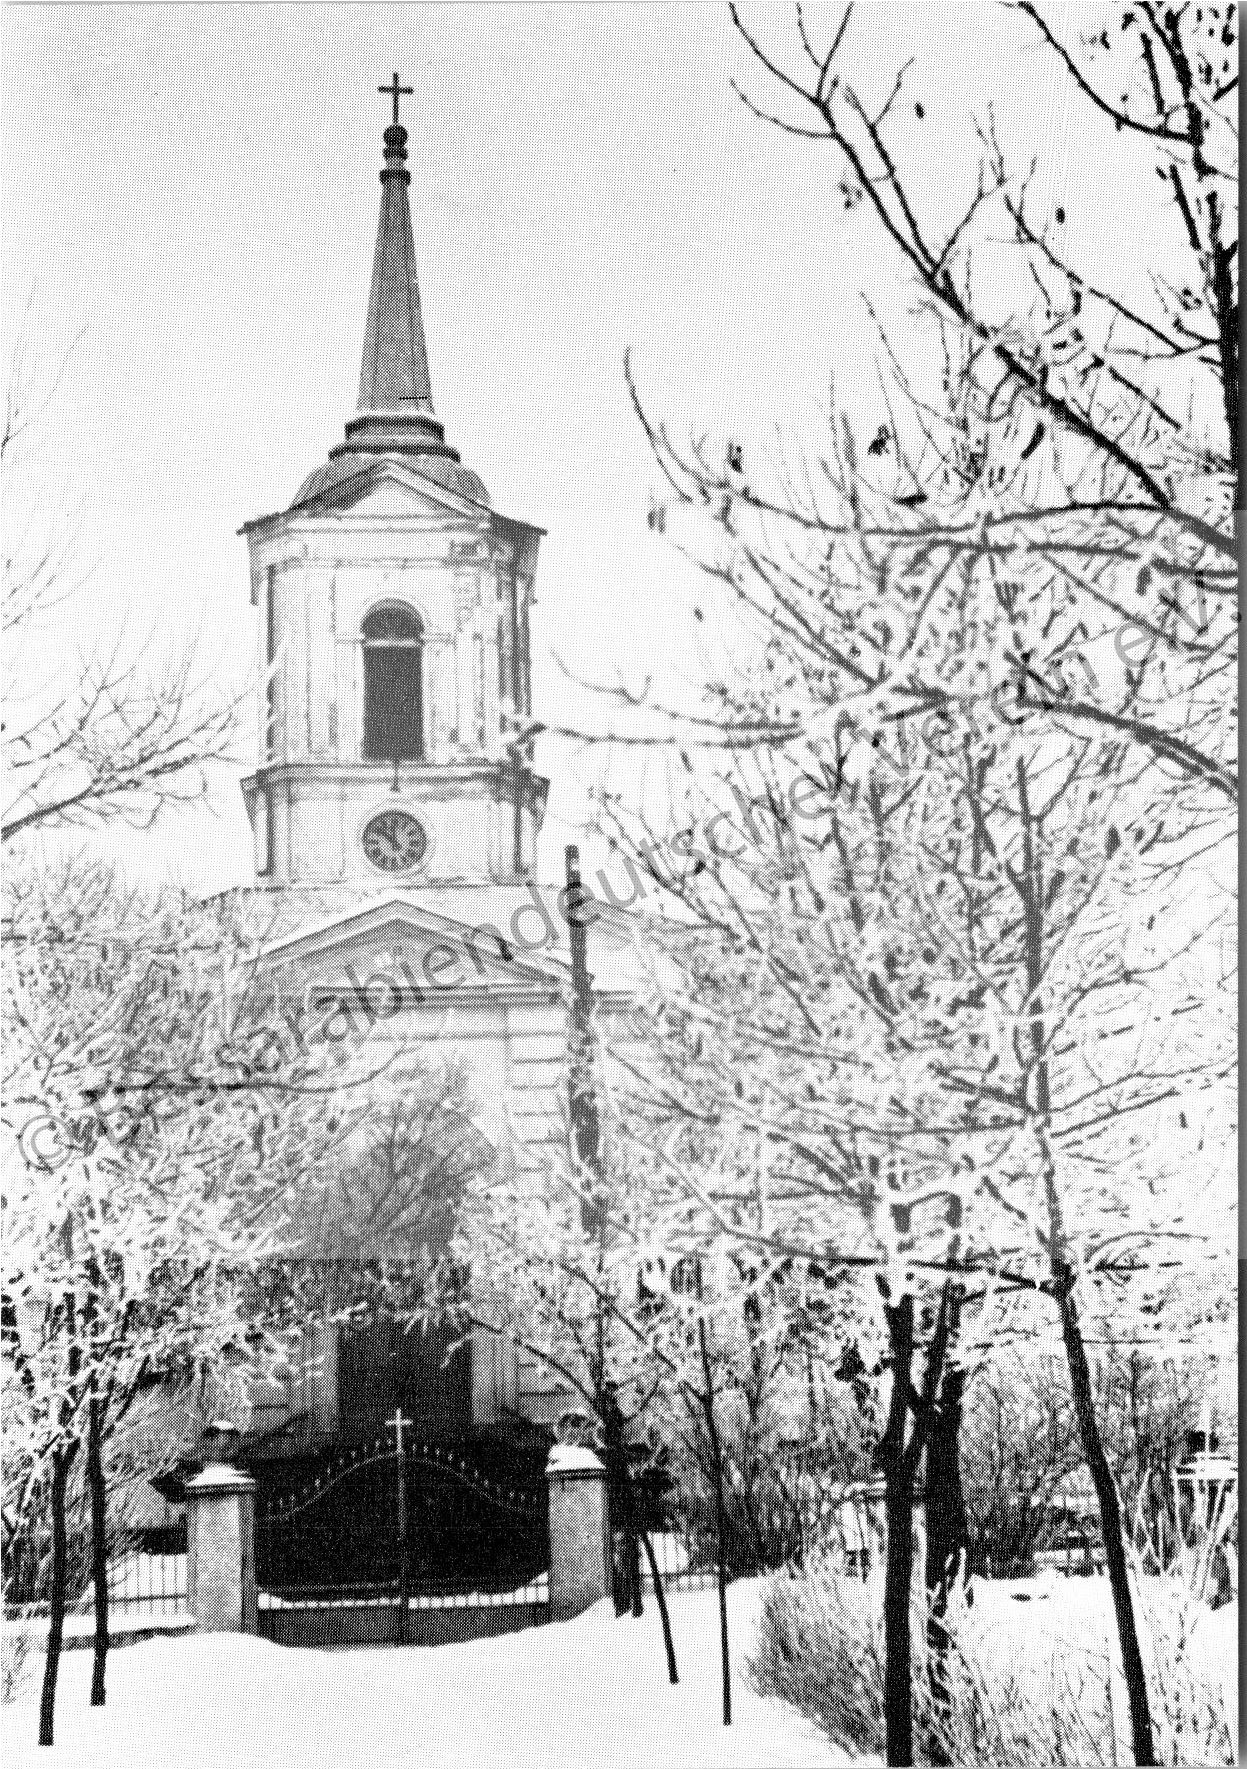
[{"x": 393, "y": 709}]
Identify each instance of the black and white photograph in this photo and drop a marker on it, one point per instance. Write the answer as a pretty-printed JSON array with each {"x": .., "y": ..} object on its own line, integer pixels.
[{"x": 620, "y": 903}]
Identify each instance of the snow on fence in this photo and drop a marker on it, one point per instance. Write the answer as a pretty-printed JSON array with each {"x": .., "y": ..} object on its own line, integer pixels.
[{"x": 423, "y": 1596}]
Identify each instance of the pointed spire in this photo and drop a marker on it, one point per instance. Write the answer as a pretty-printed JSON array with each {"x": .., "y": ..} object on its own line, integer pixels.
[
  {"x": 395, "y": 373},
  {"x": 395, "y": 410}
]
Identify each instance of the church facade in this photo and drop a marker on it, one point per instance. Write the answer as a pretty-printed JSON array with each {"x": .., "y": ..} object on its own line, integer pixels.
[{"x": 395, "y": 810}]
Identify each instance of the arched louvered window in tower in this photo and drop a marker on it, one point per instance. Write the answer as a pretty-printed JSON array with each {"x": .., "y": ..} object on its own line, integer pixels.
[{"x": 393, "y": 695}]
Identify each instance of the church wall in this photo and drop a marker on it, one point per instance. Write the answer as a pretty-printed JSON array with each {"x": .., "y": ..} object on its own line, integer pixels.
[
  {"x": 328, "y": 577},
  {"x": 511, "y": 1053},
  {"x": 459, "y": 577},
  {"x": 322, "y": 685}
]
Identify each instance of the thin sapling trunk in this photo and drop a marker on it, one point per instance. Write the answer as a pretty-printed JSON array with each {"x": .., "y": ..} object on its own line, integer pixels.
[
  {"x": 1031, "y": 889},
  {"x": 62, "y": 1457},
  {"x": 720, "y": 1516},
  {"x": 1111, "y": 1527},
  {"x": 660, "y": 1597},
  {"x": 99, "y": 1545}
]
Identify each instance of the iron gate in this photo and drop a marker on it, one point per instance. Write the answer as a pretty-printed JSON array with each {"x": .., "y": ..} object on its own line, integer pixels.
[{"x": 415, "y": 1546}]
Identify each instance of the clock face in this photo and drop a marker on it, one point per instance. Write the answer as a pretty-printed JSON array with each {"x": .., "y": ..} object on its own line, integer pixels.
[{"x": 394, "y": 841}]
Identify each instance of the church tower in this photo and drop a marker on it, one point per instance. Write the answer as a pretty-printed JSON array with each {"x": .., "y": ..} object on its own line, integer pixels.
[
  {"x": 395, "y": 811},
  {"x": 393, "y": 634}
]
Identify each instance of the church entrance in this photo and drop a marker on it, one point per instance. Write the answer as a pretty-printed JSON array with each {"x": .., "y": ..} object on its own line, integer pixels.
[{"x": 401, "y": 1542}]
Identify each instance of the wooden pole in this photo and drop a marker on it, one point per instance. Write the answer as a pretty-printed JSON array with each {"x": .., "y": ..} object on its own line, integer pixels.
[{"x": 582, "y": 1099}]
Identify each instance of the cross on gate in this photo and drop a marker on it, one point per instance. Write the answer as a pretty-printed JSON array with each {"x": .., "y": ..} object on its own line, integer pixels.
[
  {"x": 395, "y": 91},
  {"x": 398, "y": 1424}
]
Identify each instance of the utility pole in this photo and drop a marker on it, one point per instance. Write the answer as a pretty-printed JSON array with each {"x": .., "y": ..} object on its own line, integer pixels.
[
  {"x": 582, "y": 1098},
  {"x": 587, "y": 1146}
]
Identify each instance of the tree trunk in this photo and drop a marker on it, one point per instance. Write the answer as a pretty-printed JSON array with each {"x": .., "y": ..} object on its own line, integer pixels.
[
  {"x": 899, "y": 1461},
  {"x": 61, "y": 1459},
  {"x": 622, "y": 1510},
  {"x": 720, "y": 1518},
  {"x": 1071, "y": 1332},
  {"x": 632, "y": 1547},
  {"x": 99, "y": 1546},
  {"x": 660, "y": 1597},
  {"x": 897, "y": 1690},
  {"x": 1111, "y": 1526},
  {"x": 948, "y": 1546},
  {"x": 899, "y": 1513}
]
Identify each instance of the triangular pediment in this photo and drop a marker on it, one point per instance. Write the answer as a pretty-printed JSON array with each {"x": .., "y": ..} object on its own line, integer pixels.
[
  {"x": 419, "y": 953},
  {"x": 388, "y": 488}
]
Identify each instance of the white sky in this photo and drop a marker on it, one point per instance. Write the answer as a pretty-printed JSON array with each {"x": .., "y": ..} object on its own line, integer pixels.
[{"x": 194, "y": 188}]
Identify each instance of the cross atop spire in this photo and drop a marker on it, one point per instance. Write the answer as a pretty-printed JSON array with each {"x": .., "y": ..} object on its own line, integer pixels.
[{"x": 395, "y": 91}]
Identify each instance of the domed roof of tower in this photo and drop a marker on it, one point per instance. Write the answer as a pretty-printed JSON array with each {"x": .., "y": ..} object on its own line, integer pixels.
[{"x": 394, "y": 416}]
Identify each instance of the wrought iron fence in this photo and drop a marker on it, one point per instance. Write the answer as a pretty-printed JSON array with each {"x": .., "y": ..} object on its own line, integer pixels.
[
  {"x": 686, "y": 1559},
  {"x": 149, "y": 1578},
  {"x": 147, "y": 1574},
  {"x": 817, "y": 1516}
]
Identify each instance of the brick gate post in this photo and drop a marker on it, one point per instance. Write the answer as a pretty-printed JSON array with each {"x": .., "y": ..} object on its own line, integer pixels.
[
  {"x": 220, "y": 1550},
  {"x": 580, "y": 1535}
]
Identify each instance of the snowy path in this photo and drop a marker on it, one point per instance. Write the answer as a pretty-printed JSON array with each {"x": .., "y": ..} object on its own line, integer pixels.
[{"x": 589, "y": 1692}]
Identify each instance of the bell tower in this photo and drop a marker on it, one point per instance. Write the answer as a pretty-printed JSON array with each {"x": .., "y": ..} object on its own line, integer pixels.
[{"x": 393, "y": 650}]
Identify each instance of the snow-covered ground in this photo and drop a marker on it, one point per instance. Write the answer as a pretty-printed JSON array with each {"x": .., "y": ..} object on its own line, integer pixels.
[
  {"x": 590, "y": 1691},
  {"x": 1050, "y": 1625}
]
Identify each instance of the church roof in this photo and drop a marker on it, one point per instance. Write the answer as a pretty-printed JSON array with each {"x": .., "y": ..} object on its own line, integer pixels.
[
  {"x": 327, "y": 483},
  {"x": 293, "y": 921}
]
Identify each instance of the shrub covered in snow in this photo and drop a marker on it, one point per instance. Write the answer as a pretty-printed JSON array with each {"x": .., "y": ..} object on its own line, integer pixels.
[{"x": 1033, "y": 1675}]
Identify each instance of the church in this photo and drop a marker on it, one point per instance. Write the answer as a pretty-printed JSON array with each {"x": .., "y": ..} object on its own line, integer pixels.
[{"x": 395, "y": 811}]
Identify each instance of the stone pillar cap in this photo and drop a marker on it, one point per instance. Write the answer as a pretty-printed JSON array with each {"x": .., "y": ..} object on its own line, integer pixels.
[
  {"x": 219, "y": 1477},
  {"x": 567, "y": 1461}
]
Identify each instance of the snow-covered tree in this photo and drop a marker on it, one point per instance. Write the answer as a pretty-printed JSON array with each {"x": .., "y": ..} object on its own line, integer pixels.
[
  {"x": 983, "y": 740},
  {"x": 938, "y": 973},
  {"x": 1071, "y": 432},
  {"x": 155, "y": 1161}
]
